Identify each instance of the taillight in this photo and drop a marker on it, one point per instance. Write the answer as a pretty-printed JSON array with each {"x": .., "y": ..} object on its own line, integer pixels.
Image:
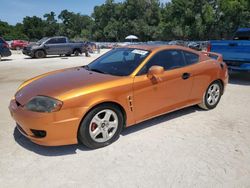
[{"x": 209, "y": 47}]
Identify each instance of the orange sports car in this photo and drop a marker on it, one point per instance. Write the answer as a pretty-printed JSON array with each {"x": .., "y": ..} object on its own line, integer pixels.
[{"x": 93, "y": 103}]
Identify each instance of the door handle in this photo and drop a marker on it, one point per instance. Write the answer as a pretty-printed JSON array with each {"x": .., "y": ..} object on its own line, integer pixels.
[{"x": 186, "y": 75}]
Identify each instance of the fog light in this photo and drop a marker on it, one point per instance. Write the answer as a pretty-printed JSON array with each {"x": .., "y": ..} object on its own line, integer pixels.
[{"x": 38, "y": 133}]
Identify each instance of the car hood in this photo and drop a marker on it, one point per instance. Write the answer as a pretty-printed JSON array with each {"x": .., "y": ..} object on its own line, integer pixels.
[
  {"x": 55, "y": 84},
  {"x": 33, "y": 44}
]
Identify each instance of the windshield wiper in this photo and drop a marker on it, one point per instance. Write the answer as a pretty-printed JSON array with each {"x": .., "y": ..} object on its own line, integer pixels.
[
  {"x": 99, "y": 71},
  {"x": 86, "y": 67},
  {"x": 94, "y": 70}
]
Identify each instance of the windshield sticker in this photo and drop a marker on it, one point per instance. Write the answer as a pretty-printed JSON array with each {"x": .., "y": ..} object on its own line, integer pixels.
[{"x": 141, "y": 52}]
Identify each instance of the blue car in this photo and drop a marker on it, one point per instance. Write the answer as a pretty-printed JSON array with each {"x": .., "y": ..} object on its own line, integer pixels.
[
  {"x": 4, "y": 49},
  {"x": 236, "y": 52}
]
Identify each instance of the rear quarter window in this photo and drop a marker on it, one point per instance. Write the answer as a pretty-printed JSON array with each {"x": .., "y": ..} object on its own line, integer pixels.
[{"x": 191, "y": 58}]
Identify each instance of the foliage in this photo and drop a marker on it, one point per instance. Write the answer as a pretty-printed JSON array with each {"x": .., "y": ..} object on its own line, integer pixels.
[{"x": 148, "y": 19}]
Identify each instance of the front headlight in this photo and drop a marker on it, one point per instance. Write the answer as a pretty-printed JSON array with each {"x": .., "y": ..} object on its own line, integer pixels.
[{"x": 44, "y": 104}]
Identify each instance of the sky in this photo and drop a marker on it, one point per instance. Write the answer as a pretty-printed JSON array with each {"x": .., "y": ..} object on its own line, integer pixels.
[{"x": 13, "y": 11}]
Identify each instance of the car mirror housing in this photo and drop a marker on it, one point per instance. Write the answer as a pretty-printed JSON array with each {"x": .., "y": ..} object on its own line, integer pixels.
[{"x": 154, "y": 72}]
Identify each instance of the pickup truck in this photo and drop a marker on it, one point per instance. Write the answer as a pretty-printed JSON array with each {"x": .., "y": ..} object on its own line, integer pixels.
[
  {"x": 236, "y": 52},
  {"x": 4, "y": 49},
  {"x": 53, "y": 46}
]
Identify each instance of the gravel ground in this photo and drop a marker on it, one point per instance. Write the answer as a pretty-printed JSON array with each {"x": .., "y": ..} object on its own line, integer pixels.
[{"x": 187, "y": 148}]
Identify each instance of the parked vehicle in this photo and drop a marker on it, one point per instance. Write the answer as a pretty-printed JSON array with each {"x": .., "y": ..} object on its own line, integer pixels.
[
  {"x": 53, "y": 46},
  {"x": 4, "y": 49},
  {"x": 18, "y": 44},
  {"x": 177, "y": 42},
  {"x": 92, "y": 104},
  {"x": 236, "y": 52},
  {"x": 195, "y": 46}
]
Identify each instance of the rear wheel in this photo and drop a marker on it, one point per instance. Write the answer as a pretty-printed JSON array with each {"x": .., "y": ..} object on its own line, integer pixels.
[
  {"x": 212, "y": 96},
  {"x": 0, "y": 57},
  {"x": 101, "y": 126},
  {"x": 76, "y": 52},
  {"x": 40, "y": 54}
]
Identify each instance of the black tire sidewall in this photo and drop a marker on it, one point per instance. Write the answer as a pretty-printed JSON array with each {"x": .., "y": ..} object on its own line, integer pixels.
[
  {"x": 76, "y": 53},
  {"x": 206, "y": 103},
  {"x": 37, "y": 55},
  {"x": 83, "y": 132}
]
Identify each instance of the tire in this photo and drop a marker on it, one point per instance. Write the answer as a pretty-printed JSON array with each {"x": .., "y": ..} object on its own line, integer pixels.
[
  {"x": 40, "y": 54},
  {"x": 76, "y": 52},
  {"x": 0, "y": 57},
  {"x": 67, "y": 55},
  {"x": 101, "y": 126},
  {"x": 212, "y": 96}
]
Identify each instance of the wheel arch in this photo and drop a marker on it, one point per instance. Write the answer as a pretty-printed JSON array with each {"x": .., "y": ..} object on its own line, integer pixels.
[
  {"x": 77, "y": 49},
  {"x": 40, "y": 50}
]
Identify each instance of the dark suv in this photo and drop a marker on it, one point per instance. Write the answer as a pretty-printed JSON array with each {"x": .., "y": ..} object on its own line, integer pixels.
[{"x": 4, "y": 49}]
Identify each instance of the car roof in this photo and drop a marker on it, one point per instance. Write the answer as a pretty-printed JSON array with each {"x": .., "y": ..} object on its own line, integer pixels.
[{"x": 159, "y": 47}]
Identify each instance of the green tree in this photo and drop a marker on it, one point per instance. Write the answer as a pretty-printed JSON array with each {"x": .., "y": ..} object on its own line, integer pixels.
[
  {"x": 33, "y": 27},
  {"x": 51, "y": 26}
]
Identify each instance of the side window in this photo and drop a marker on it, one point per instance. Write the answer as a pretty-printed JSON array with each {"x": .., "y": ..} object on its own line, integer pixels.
[
  {"x": 168, "y": 59},
  {"x": 52, "y": 41},
  {"x": 61, "y": 40},
  {"x": 1, "y": 40},
  {"x": 191, "y": 58}
]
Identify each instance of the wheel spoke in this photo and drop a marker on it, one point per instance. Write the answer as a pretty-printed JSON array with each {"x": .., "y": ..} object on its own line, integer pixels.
[
  {"x": 105, "y": 135},
  {"x": 113, "y": 124},
  {"x": 107, "y": 116},
  {"x": 96, "y": 132},
  {"x": 97, "y": 120}
]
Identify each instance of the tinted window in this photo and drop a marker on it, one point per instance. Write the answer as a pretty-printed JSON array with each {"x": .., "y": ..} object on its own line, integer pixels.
[
  {"x": 1, "y": 40},
  {"x": 168, "y": 59},
  {"x": 61, "y": 40},
  {"x": 191, "y": 58},
  {"x": 52, "y": 41}
]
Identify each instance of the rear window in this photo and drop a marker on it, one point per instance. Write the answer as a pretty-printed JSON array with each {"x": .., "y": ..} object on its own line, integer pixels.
[{"x": 191, "y": 58}]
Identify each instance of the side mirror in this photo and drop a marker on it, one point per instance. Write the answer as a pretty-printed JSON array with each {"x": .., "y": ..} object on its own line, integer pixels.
[{"x": 154, "y": 72}]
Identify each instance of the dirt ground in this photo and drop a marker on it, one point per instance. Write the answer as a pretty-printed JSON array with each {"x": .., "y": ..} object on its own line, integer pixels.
[{"x": 187, "y": 148}]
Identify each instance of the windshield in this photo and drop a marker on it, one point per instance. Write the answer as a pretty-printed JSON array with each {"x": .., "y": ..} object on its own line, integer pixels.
[
  {"x": 42, "y": 40},
  {"x": 119, "y": 61}
]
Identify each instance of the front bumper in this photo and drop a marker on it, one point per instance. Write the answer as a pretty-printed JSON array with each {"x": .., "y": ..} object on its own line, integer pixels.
[
  {"x": 60, "y": 127},
  {"x": 27, "y": 52}
]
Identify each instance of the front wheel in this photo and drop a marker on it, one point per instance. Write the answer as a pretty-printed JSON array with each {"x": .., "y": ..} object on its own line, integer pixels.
[
  {"x": 40, "y": 54},
  {"x": 212, "y": 96},
  {"x": 101, "y": 126}
]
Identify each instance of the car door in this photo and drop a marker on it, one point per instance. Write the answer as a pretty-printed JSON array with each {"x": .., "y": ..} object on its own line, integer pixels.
[
  {"x": 62, "y": 46},
  {"x": 170, "y": 92},
  {"x": 51, "y": 46}
]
